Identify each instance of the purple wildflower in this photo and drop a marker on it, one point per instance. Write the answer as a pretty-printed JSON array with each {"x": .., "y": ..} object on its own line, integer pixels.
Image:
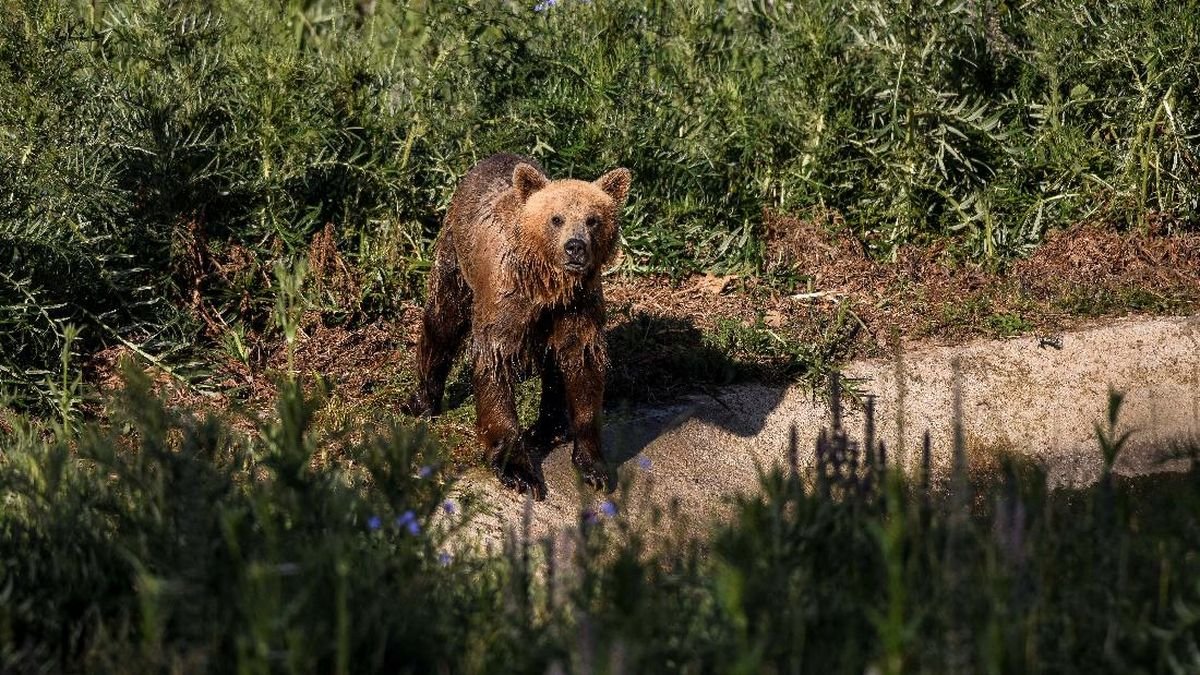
[
  {"x": 374, "y": 522},
  {"x": 544, "y": 5},
  {"x": 444, "y": 559},
  {"x": 608, "y": 508},
  {"x": 425, "y": 471},
  {"x": 408, "y": 521},
  {"x": 589, "y": 517},
  {"x": 644, "y": 463},
  {"x": 449, "y": 507}
]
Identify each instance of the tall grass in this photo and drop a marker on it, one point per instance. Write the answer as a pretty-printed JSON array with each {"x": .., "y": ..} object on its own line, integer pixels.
[
  {"x": 172, "y": 542},
  {"x": 157, "y": 158}
]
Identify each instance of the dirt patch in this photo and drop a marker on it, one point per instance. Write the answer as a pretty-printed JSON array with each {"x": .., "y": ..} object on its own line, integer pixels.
[
  {"x": 1086, "y": 272},
  {"x": 1095, "y": 259},
  {"x": 359, "y": 361}
]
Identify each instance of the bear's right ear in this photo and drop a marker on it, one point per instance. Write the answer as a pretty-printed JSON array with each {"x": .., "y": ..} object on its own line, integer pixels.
[
  {"x": 528, "y": 180},
  {"x": 616, "y": 184}
]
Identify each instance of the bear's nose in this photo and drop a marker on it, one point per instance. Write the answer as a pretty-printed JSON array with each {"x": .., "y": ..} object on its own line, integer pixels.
[{"x": 575, "y": 248}]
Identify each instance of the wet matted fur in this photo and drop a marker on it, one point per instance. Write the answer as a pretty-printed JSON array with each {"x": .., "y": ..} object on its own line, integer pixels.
[{"x": 517, "y": 270}]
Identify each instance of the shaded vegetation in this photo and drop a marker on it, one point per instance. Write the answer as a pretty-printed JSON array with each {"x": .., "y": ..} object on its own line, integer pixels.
[{"x": 167, "y": 541}]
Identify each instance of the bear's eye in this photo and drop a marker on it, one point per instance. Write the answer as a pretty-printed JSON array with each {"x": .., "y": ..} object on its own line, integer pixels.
[
  {"x": 593, "y": 222},
  {"x": 556, "y": 221}
]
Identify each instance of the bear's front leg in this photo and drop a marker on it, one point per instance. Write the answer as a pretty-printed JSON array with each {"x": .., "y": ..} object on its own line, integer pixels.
[
  {"x": 552, "y": 420},
  {"x": 583, "y": 380},
  {"x": 497, "y": 425}
]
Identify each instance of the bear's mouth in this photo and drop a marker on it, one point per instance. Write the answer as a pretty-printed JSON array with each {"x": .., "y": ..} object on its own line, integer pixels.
[{"x": 575, "y": 266}]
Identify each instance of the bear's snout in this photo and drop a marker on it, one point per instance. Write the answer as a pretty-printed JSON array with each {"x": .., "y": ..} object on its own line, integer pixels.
[{"x": 577, "y": 256}]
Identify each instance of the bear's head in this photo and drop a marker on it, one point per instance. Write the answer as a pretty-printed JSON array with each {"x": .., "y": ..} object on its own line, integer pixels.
[{"x": 570, "y": 225}]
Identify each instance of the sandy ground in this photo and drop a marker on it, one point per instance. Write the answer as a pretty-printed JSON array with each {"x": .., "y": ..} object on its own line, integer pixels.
[{"x": 1020, "y": 396}]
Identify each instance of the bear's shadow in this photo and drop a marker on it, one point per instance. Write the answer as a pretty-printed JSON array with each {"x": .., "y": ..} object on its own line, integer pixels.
[{"x": 664, "y": 373}]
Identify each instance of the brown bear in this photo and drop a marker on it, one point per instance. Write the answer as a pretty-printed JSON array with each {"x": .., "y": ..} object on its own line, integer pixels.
[{"x": 517, "y": 267}]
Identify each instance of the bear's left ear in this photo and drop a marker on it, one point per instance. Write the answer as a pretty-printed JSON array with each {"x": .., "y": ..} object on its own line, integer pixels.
[
  {"x": 528, "y": 180},
  {"x": 616, "y": 184}
]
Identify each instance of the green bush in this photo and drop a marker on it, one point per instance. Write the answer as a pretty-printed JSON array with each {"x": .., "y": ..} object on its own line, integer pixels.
[
  {"x": 171, "y": 541},
  {"x": 167, "y": 541},
  {"x": 157, "y": 158}
]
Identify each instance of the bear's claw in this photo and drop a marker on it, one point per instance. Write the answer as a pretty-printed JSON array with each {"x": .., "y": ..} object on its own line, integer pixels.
[
  {"x": 521, "y": 478},
  {"x": 594, "y": 473}
]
